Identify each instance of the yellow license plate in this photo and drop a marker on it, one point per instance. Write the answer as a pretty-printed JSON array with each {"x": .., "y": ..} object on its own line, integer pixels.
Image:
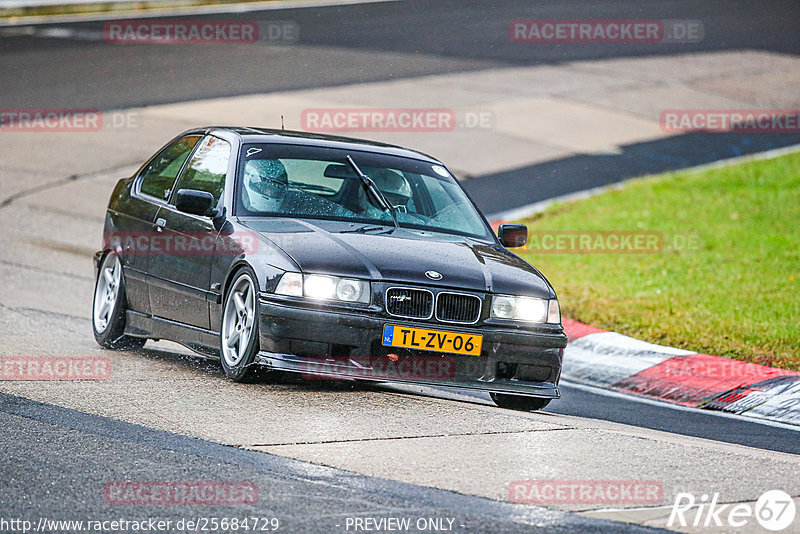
[{"x": 433, "y": 340}]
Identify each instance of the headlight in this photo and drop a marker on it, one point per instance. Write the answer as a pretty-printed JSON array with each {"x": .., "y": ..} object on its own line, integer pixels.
[
  {"x": 323, "y": 287},
  {"x": 290, "y": 284},
  {"x": 349, "y": 290},
  {"x": 319, "y": 287},
  {"x": 527, "y": 309}
]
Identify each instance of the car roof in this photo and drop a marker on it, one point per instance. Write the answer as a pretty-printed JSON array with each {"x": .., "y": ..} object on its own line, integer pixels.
[{"x": 291, "y": 137}]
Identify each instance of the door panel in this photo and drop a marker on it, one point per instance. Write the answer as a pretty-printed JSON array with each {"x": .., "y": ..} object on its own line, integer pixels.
[
  {"x": 179, "y": 274},
  {"x": 180, "y": 269},
  {"x": 137, "y": 220},
  {"x": 133, "y": 214}
]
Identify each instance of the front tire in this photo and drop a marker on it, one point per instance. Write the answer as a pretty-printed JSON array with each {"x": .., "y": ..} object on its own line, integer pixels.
[
  {"x": 519, "y": 402},
  {"x": 109, "y": 307},
  {"x": 239, "y": 330}
]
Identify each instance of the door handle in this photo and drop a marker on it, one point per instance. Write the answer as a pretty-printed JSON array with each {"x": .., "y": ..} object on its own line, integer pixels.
[{"x": 160, "y": 224}]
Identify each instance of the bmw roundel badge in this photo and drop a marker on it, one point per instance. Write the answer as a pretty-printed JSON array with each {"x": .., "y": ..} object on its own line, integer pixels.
[{"x": 433, "y": 275}]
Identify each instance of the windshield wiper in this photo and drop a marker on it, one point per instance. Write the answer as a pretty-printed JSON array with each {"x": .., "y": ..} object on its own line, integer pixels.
[
  {"x": 367, "y": 228},
  {"x": 372, "y": 188}
]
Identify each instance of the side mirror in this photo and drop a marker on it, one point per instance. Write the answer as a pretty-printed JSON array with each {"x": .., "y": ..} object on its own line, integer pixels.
[
  {"x": 512, "y": 235},
  {"x": 195, "y": 202}
]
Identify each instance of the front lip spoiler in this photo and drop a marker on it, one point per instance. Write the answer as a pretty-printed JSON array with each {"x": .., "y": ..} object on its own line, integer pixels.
[{"x": 337, "y": 370}]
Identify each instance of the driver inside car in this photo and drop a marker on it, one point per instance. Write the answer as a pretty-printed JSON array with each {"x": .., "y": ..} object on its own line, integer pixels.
[
  {"x": 265, "y": 183},
  {"x": 267, "y": 190},
  {"x": 394, "y": 187}
]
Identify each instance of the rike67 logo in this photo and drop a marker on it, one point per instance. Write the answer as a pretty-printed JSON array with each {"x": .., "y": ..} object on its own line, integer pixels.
[{"x": 775, "y": 510}]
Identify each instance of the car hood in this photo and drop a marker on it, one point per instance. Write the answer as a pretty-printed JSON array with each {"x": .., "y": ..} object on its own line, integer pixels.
[{"x": 404, "y": 257}]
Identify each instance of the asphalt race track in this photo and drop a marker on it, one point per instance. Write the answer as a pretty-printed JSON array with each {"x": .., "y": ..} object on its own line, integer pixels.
[
  {"x": 373, "y": 42},
  {"x": 586, "y": 401},
  {"x": 99, "y": 446},
  {"x": 356, "y": 44},
  {"x": 324, "y": 453}
]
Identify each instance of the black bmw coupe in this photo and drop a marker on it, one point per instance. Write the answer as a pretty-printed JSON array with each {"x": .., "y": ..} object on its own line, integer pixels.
[{"x": 331, "y": 257}]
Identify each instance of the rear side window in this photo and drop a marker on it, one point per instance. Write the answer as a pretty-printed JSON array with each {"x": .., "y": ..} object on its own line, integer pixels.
[
  {"x": 160, "y": 174},
  {"x": 208, "y": 167}
]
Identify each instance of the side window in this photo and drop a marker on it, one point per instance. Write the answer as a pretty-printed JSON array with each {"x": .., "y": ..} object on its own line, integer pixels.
[
  {"x": 207, "y": 168},
  {"x": 158, "y": 177}
]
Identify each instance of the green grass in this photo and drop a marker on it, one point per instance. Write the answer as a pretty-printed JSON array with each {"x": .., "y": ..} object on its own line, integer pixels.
[{"x": 736, "y": 294}]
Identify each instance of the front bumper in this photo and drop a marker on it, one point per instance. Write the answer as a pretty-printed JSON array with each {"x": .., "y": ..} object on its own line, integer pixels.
[{"x": 337, "y": 343}]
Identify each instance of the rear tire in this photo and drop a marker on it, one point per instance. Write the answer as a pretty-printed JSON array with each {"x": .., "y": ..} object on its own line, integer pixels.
[
  {"x": 519, "y": 402},
  {"x": 109, "y": 307}
]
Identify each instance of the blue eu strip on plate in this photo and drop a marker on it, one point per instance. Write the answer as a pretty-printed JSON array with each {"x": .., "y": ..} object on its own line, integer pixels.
[{"x": 388, "y": 334}]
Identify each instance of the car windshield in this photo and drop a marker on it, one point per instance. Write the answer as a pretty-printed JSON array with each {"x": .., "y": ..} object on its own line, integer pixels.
[{"x": 319, "y": 183}]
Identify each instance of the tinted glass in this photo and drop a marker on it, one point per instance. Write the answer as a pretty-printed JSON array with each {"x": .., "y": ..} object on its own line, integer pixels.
[
  {"x": 160, "y": 174},
  {"x": 317, "y": 183},
  {"x": 207, "y": 169}
]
